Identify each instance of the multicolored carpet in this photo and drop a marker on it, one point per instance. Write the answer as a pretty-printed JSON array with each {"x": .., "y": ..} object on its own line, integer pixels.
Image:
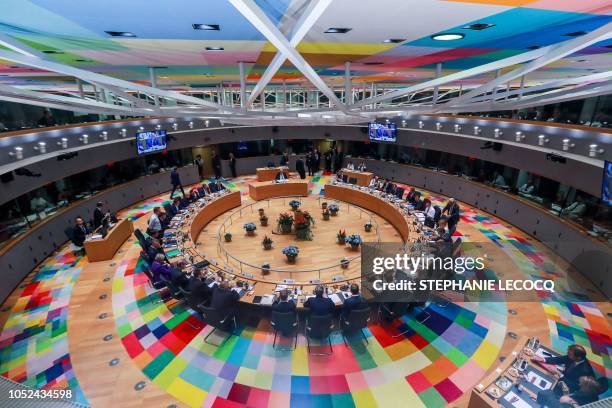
[{"x": 432, "y": 364}]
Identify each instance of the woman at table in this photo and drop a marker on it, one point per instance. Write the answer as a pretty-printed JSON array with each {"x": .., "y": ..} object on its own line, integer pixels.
[{"x": 588, "y": 391}]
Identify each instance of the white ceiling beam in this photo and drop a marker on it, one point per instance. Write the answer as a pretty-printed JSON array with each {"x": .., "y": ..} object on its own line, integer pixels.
[
  {"x": 17, "y": 46},
  {"x": 306, "y": 21},
  {"x": 262, "y": 23},
  {"x": 557, "y": 52}
]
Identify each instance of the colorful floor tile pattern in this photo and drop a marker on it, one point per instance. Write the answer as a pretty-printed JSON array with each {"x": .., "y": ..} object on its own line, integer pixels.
[{"x": 431, "y": 365}]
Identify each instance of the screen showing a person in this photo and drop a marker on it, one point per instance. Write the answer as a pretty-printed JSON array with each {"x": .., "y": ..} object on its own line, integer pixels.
[
  {"x": 381, "y": 132},
  {"x": 606, "y": 183},
  {"x": 148, "y": 142}
]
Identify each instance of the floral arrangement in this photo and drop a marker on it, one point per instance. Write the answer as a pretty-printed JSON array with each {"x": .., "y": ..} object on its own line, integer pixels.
[
  {"x": 341, "y": 235},
  {"x": 263, "y": 218},
  {"x": 285, "y": 219},
  {"x": 291, "y": 251},
  {"x": 333, "y": 208},
  {"x": 294, "y": 204},
  {"x": 324, "y": 205},
  {"x": 249, "y": 227},
  {"x": 368, "y": 226},
  {"x": 267, "y": 241},
  {"x": 344, "y": 262},
  {"x": 325, "y": 212},
  {"x": 228, "y": 237},
  {"x": 353, "y": 240}
]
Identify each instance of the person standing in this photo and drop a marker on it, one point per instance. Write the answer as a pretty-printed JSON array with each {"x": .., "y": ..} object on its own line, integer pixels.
[
  {"x": 80, "y": 231},
  {"x": 309, "y": 163},
  {"x": 232, "y": 164},
  {"x": 216, "y": 162},
  {"x": 317, "y": 160},
  {"x": 175, "y": 179},
  {"x": 200, "y": 163},
  {"x": 98, "y": 215},
  {"x": 284, "y": 161},
  {"x": 452, "y": 210},
  {"x": 299, "y": 167}
]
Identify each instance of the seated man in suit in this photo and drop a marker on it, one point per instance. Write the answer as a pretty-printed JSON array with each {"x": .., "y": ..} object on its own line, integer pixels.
[
  {"x": 280, "y": 176},
  {"x": 354, "y": 302},
  {"x": 282, "y": 303},
  {"x": 575, "y": 365},
  {"x": 225, "y": 300},
  {"x": 219, "y": 186},
  {"x": 154, "y": 248},
  {"x": 411, "y": 196},
  {"x": 175, "y": 207},
  {"x": 319, "y": 305},
  {"x": 588, "y": 391},
  {"x": 79, "y": 233},
  {"x": 200, "y": 292}
]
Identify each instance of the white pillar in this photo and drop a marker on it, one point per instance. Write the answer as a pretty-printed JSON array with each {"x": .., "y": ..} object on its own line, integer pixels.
[
  {"x": 348, "y": 86},
  {"x": 242, "y": 85},
  {"x": 437, "y": 88}
]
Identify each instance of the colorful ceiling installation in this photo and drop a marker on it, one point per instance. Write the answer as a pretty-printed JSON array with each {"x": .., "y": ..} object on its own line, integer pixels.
[{"x": 388, "y": 42}]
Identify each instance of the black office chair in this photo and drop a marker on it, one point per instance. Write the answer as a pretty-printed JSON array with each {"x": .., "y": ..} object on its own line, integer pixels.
[
  {"x": 319, "y": 328},
  {"x": 355, "y": 321},
  {"x": 168, "y": 209},
  {"x": 399, "y": 192},
  {"x": 344, "y": 178},
  {"x": 187, "y": 297},
  {"x": 201, "y": 191},
  {"x": 175, "y": 290},
  {"x": 287, "y": 324},
  {"x": 396, "y": 310},
  {"x": 352, "y": 180},
  {"x": 212, "y": 187},
  {"x": 141, "y": 239},
  {"x": 219, "y": 321}
]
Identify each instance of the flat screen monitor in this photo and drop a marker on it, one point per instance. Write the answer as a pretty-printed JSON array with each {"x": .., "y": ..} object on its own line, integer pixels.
[
  {"x": 606, "y": 183},
  {"x": 382, "y": 132},
  {"x": 149, "y": 142}
]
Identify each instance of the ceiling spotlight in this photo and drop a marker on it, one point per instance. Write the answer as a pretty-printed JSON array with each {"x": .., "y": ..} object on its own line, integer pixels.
[
  {"x": 214, "y": 48},
  {"x": 387, "y": 121},
  {"x": 104, "y": 135},
  {"x": 158, "y": 127},
  {"x": 567, "y": 144},
  {"x": 123, "y": 133},
  {"x": 497, "y": 133},
  {"x": 478, "y": 26},
  {"x": 41, "y": 147},
  {"x": 53, "y": 52},
  {"x": 190, "y": 125},
  {"x": 404, "y": 122},
  {"x": 18, "y": 153},
  {"x": 457, "y": 128},
  {"x": 575, "y": 34},
  {"x": 533, "y": 47},
  {"x": 141, "y": 128},
  {"x": 519, "y": 136},
  {"x": 120, "y": 34},
  {"x": 438, "y": 126},
  {"x": 207, "y": 122},
  {"x": 394, "y": 40},
  {"x": 373, "y": 63},
  {"x": 593, "y": 151},
  {"x": 421, "y": 124},
  {"x": 175, "y": 126},
  {"x": 477, "y": 130},
  {"x": 542, "y": 140},
  {"x": 63, "y": 143},
  {"x": 84, "y": 139},
  {"x": 337, "y": 30},
  {"x": 447, "y": 36},
  {"x": 207, "y": 27}
]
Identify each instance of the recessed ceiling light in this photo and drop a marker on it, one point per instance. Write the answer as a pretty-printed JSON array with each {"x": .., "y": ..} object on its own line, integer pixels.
[
  {"x": 608, "y": 46},
  {"x": 394, "y": 40},
  {"x": 214, "y": 48},
  {"x": 373, "y": 63},
  {"x": 120, "y": 34},
  {"x": 83, "y": 60},
  {"x": 207, "y": 27},
  {"x": 337, "y": 30},
  {"x": 575, "y": 34},
  {"x": 447, "y": 36},
  {"x": 478, "y": 26},
  {"x": 533, "y": 47},
  {"x": 53, "y": 52}
]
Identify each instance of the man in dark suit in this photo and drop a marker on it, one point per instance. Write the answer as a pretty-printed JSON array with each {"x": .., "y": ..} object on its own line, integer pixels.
[
  {"x": 299, "y": 167},
  {"x": 452, "y": 210},
  {"x": 319, "y": 305},
  {"x": 216, "y": 162},
  {"x": 200, "y": 292},
  {"x": 98, "y": 215},
  {"x": 225, "y": 300},
  {"x": 354, "y": 302},
  {"x": 575, "y": 365},
  {"x": 79, "y": 233},
  {"x": 154, "y": 249},
  {"x": 411, "y": 196},
  {"x": 282, "y": 303},
  {"x": 175, "y": 179},
  {"x": 284, "y": 161}
]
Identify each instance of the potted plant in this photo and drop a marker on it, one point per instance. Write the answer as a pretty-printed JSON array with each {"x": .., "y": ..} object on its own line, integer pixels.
[
  {"x": 326, "y": 214},
  {"x": 368, "y": 226},
  {"x": 291, "y": 252},
  {"x": 341, "y": 237},
  {"x": 324, "y": 205},
  {"x": 267, "y": 242},
  {"x": 263, "y": 220},
  {"x": 354, "y": 241},
  {"x": 228, "y": 237},
  {"x": 261, "y": 212},
  {"x": 265, "y": 269},
  {"x": 285, "y": 221},
  {"x": 250, "y": 228},
  {"x": 333, "y": 209},
  {"x": 344, "y": 263},
  {"x": 294, "y": 204}
]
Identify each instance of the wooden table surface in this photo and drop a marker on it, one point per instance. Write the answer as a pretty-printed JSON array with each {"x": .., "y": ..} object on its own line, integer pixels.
[
  {"x": 363, "y": 177},
  {"x": 105, "y": 248},
  {"x": 269, "y": 173},
  {"x": 268, "y": 189}
]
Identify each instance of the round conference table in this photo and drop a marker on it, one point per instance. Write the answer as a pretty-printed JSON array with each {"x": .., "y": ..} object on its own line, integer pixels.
[{"x": 261, "y": 290}]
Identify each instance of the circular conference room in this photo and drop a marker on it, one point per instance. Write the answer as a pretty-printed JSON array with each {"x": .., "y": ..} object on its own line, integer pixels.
[{"x": 306, "y": 203}]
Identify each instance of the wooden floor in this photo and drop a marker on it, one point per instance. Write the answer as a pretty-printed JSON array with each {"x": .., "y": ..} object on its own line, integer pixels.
[{"x": 322, "y": 253}]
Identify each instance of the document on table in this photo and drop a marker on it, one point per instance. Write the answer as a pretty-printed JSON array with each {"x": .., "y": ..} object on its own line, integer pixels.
[
  {"x": 516, "y": 400},
  {"x": 336, "y": 299},
  {"x": 539, "y": 381},
  {"x": 267, "y": 299}
]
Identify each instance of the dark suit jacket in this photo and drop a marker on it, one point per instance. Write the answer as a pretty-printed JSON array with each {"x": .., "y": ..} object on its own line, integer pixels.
[
  {"x": 320, "y": 306},
  {"x": 299, "y": 166},
  {"x": 572, "y": 372},
  {"x": 223, "y": 299},
  {"x": 98, "y": 215},
  {"x": 453, "y": 212},
  {"x": 352, "y": 303},
  {"x": 79, "y": 234},
  {"x": 200, "y": 291},
  {"x": 174, "y": 178},
  {"x": 283, "y": 307}
]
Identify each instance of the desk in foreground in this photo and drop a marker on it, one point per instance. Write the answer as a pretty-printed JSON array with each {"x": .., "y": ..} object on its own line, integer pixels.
[
  {"x": 104, "y": 249},
  {"x": 268, "y": 189},
  {"x": 269, "y": 173},
  {"x": 363, "y": 178}
]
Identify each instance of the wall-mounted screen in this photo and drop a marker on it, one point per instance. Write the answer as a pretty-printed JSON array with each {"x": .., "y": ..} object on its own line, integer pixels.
[
  {"x": 606, "y": 183},
  {"x": 382, "y": 132},
  {"x": 149, "y": 142}
]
